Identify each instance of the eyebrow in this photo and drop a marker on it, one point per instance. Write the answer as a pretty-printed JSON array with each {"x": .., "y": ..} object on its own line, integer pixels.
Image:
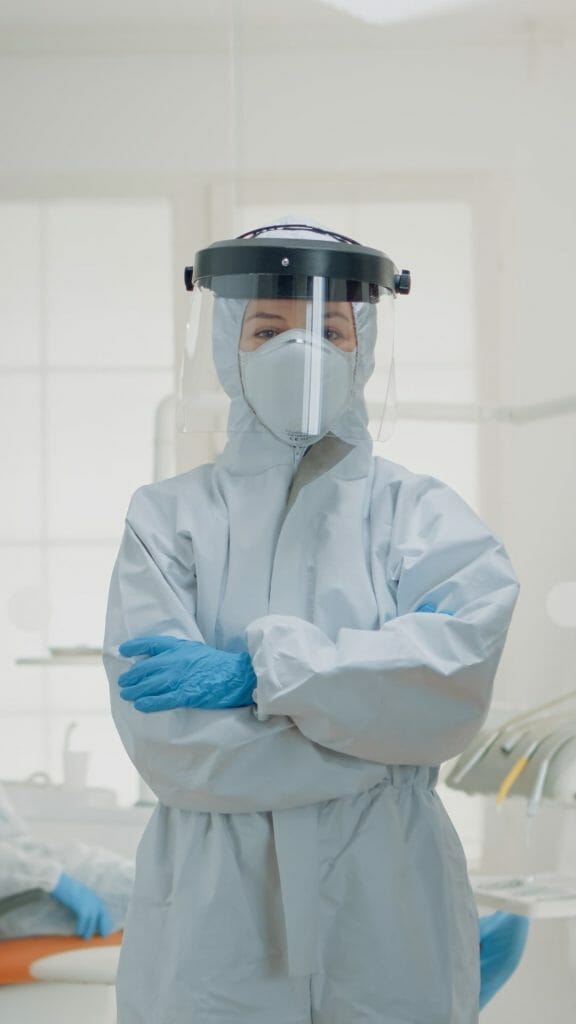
[
  {"x": 276, "y": 316},
  {"x": 265, "y": 316}
]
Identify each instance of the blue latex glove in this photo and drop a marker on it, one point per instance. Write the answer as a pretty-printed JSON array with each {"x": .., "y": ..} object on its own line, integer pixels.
[
  {"x": 502, "y": 941},
  {"x": 89, "y": 909},
  {"x": 185, "y": 674},
  {"x": 431, "y": 608}
]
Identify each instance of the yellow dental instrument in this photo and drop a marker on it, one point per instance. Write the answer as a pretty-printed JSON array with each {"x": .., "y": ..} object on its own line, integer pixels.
[{"x": 515, "y": 773}]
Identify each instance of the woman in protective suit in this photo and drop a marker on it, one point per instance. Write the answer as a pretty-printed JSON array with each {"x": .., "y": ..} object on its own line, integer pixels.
[{"x": 314, "y": 630}]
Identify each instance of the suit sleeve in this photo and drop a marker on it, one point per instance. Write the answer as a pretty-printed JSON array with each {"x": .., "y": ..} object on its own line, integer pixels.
[
  {"x": 25, "y": 864},
  {"x": 417, "y": 690},
  {"x": 199, "y": 759}
]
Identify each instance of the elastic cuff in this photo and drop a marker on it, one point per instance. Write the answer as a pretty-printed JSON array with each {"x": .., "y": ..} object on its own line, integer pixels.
[{"x": 259, "y": 715}]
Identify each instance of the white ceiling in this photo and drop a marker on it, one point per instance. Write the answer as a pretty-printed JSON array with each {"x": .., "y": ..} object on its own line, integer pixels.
[
  {"x": 196, "y": 25},
  {"x": 33, "y": 12}
]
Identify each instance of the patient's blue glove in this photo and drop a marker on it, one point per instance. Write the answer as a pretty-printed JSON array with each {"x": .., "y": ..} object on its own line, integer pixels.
[
  {"x": 185, "y": 674},
  {"x": 89, "y": 909},
  {"x": 502, "y": 941}
]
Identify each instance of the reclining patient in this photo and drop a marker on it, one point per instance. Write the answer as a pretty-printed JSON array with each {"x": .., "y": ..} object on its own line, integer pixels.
[{"x": 85, "y": 888}]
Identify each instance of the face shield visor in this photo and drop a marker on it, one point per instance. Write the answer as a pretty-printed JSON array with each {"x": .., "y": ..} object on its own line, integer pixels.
[{"x": 290, "y": 337}]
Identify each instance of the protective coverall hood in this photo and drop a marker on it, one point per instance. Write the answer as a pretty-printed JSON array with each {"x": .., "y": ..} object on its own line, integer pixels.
[{"x": 237, "y": 286}]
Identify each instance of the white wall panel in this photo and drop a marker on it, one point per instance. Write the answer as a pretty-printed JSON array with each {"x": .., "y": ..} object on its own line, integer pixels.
[
  {"x": 23, "y": 743},
  {"x": 79, "y": 578},
  {"x": 100, "y": 447},
  {"x": 23, "y": 688},
  {"x": 21, "y": 509},
  {"x": 444, "y": 450},
  {"x": 109, "y": 284},
  {"x": 77, "y": 689},
  {"x": 20, "y": 284},
  {"x": 23, "y": 609},
  {"x": 88, "y": 285}
]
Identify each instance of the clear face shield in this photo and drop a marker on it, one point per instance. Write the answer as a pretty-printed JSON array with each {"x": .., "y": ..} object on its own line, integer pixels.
[{"x": 290, "y": 338}]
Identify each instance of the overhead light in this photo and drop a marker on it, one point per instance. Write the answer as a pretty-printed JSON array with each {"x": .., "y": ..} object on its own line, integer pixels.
[{"x": 382, "y": 12}]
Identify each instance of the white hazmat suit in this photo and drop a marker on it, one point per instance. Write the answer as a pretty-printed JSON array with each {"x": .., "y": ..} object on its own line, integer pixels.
[{"x": 299, "y": 866}]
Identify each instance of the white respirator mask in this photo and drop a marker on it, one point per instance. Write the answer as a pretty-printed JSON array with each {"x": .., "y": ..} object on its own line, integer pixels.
[{"x": 298, "y": 385}]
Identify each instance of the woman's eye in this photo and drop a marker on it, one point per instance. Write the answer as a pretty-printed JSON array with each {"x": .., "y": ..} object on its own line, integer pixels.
[
  {"x": 331, "y": 335},
  {"x": 266, "y": 334}
]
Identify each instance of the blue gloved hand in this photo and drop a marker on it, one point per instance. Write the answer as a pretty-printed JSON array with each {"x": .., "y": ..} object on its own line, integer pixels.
[
  {"x": 185, "y": 674},
  {"x": 502, "y": 941},
  {"x": 89, "y": 909}
]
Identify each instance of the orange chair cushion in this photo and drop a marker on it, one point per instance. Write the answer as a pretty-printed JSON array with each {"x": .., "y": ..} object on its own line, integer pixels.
[{"x": 18, "y": 955}]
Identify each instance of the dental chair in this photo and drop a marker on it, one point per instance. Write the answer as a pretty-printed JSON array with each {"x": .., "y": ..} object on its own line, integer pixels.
[{"x": 56, "y": 979}]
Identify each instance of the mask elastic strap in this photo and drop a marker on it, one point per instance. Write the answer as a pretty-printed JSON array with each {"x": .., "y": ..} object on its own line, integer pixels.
[{"x": 298, "y": 227}]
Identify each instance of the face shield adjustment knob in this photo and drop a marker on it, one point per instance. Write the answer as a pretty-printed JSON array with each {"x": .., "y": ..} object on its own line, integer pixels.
[
  {"x": 188, "y": 275},
  {"x": 402, "y": 282},
  {"x": 285, "y": 262}
]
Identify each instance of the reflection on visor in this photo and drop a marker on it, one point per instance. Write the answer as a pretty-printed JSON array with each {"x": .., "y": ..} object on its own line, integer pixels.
[{"x": 312, "y": 396}]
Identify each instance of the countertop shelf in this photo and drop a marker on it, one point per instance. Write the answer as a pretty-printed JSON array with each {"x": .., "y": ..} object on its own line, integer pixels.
[
  {"x": 57, "y": 660},
  {"x": 546, "y": 895}
]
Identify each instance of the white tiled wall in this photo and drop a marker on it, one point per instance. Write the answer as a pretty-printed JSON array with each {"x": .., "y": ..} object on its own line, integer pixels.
[
  {"x": 100, "y": 433},
  {"x": 20, "y": 286},
  {"x": 108, "y": 274},
  {"x": 20, "y": 454},
  {"x": 86, "y": 354}
]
